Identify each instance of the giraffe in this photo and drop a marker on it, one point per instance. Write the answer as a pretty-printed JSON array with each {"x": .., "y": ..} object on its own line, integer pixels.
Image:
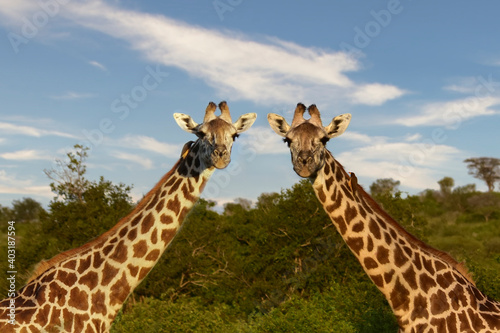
[
  {"x": 81, "y": 290},
  {"x": 427, "y": 289}
]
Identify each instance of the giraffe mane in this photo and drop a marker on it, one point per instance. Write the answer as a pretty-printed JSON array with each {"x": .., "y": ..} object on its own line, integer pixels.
[
  {"x": 460, "y": 266},
  {"x": 44, "y": 265}
]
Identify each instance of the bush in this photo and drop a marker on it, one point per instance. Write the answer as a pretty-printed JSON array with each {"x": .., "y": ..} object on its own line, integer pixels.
[
  {"x": 183, "y": 315},
  {"x": 300, "y": 315}
]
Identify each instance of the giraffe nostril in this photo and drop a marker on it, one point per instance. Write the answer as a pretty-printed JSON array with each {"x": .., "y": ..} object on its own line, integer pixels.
[
  {"x": 304, "y": 161},
  {"x": 220, "y": 152}
]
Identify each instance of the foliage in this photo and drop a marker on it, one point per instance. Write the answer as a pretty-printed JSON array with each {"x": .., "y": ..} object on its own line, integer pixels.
[
  {"x": 485, "y": 168},
  {"x": 278, "y": 265},
  {"x": 69, "y": 180},
  {"x": 254, "y": 259},
  {"x": 340, "y": 308},
  {"x": 485, "y": 204},
  {"x": 26, "y": 210},
  {"x": 187, "y": 314},
  {"x": 71, "y": 219},
  {"x": 407, "y": 212},
  {"x": 384, "y": 187},
  {"x": 446, "y": 184}
]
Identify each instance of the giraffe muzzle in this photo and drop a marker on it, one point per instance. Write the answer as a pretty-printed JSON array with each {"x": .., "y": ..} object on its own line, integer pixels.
[
  {"x": 221, "y": 157},
  {"x": 304, "y": 165}
]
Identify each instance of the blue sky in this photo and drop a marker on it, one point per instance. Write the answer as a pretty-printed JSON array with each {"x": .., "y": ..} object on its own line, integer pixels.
[{"x": 421, "y": 80}]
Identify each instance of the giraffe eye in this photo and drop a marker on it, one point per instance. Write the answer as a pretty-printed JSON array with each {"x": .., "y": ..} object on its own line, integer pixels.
[
  {"x": 200, "y": 134},
  {"x": 235, "y": 136},
  {"x": 324, "y": 140},
  {"x": 288, "y": 141}
]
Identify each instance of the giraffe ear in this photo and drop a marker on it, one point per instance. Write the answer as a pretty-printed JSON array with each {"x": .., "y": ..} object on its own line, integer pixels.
[
  {"x": 185, "y": 122},
  {"x": 338, "y": 125},
  {"x": 278, "y": 124},
  {"x": 244, "y": 122}
]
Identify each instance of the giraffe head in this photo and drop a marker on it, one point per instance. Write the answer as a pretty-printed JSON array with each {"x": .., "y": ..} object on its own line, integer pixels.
[
  {"x": 307, "y": 138},
  {"x": 216, "y": 134}
]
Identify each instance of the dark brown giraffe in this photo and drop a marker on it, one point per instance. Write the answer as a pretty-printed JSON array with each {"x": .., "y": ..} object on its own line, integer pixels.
[
  {"x": 81, "y": 290},
  {"x": 427, "y": 289}
]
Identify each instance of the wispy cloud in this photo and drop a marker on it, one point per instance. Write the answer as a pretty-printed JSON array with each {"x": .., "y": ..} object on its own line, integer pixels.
[
  {"x": 462, "y": 85},
  {"x": 146, "y": 163},
  {"x": 147, "y": 143},
  {"x": 73, "y": 95},
  {"x": 416, "y": 163},
  {"x": 262, "y": 140},
  {"x": 361, "y": 138},
  {"x": 451, "y": 113},
  {"x": 26, "y": 155},
  {"x": 376, "y": 94},
  {"x": 266, "y": 71},
  {"x": 10, "y": 184},
  {"x": 98, "y": 65},
  {"x": 14, "y": 129}
]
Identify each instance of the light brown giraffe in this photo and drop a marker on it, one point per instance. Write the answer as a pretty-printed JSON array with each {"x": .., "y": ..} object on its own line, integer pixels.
[
  {"x": 81, "y": 290},
  {"x": 427, "y": 289}
]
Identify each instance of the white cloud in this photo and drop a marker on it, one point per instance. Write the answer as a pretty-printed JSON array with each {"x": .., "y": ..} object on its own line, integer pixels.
[
  {"x": 266, "y": 71},
  {"x": 98, "y": 65},
  {"x": 452, "y": 113},
  {"x": 26, "y": 155},
  {"x": 459, "y": 88},
  {"x": 73, "y": 95},
  {"x": 462, "y": 85},
  {"x": 10, "y": 184},
  {"x": 150, "y": 144},
  {"x": 13, "y": 129},
  {"x": 12, "y": 12},
  {"x": 219, "y": 202},
  {"x": 262, "y": 140},
  {"x": 361, "y": 138},
  {"x": 146, "y": 163},
  {"x": 376, "y": 94},
  {"x": 413, "y": 137},
  {"x": 414, "y": 162}
]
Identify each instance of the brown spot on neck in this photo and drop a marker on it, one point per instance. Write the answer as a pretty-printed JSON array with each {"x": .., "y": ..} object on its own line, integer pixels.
[{"x": 362, "y": 199}]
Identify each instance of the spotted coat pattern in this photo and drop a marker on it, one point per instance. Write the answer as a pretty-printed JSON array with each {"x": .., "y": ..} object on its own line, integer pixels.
[
  {"x": 427, "y": 289},
  {"x": 87, "y": 286},
  {"x": 81, "y": 290}
]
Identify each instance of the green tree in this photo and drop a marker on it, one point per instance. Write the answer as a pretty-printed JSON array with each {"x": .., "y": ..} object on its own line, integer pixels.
[
  {"x": 82, "y": 210},
  {"x": 68, "y": 177},
  {"x": 384, "y": 187},
  {"x": 459, "y": 199},
  {"x": 486, "y": 169},
  {"x": 237, "y": 205},
  {"x": 26, "y": 210},
  {"x": 485, "y": 204},
  {"x": 446, "y": 185},
  {"x": 6, "y": 215}
]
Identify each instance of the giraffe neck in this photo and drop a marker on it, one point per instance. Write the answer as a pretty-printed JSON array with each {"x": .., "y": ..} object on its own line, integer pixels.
[
  {"x": 421, "y": 284},
  {"x": 85, "y": 287}
]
